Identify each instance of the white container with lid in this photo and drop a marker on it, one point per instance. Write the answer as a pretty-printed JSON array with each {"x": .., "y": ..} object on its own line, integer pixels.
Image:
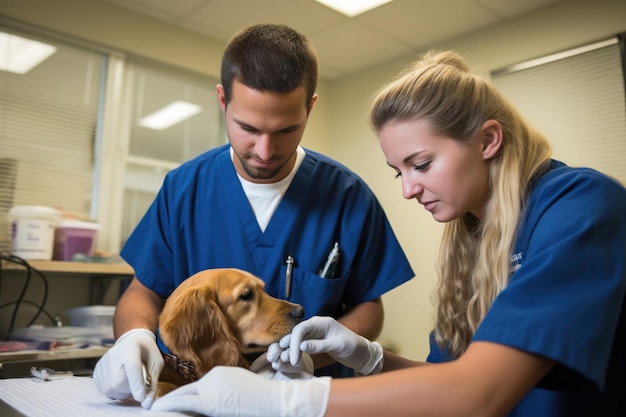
[
  {"x": 32, "y": 231},
  {"x": 98, "y": 316}
]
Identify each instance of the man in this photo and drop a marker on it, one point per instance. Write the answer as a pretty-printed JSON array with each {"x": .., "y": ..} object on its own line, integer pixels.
[{"x": 263, "y": 204}]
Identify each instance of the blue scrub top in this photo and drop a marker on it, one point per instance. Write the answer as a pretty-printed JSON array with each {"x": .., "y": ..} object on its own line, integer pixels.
[
  {"x": 565, "y": 298},
  {"x": 201, "y": 219}
]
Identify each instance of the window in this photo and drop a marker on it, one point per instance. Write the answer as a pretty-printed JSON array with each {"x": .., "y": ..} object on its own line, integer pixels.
[
  {"x": 72, "y": 136},
  {"x": 48, "y": 126},
  {"x": 152, "y": 153}
]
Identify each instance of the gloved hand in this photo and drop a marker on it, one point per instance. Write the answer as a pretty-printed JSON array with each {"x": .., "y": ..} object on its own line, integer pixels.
[
  {"x": 326, "y": 335},
  {"x": 119, "y": 374},
  {"x": 227, "y": 391},
  {"x": 279, "y": 358},
  {"x": 270, "y": 362}
]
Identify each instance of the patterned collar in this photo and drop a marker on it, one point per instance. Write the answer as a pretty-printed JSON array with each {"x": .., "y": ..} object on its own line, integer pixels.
[{"x": 186, "y": 368}]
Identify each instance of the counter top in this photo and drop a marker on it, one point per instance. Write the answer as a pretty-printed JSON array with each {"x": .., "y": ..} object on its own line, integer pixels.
[
  {"x": 88, "y": 268},
  {"x": 48, "y": 355}
]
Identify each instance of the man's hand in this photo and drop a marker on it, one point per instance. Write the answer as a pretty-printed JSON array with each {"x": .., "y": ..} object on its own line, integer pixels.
[
  {"x": 122, "y": 371},
  {"x": 270, "y": 360}
]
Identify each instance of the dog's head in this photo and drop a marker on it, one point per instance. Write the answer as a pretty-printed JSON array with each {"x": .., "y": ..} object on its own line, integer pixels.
[{"x": 217, "y": 315}]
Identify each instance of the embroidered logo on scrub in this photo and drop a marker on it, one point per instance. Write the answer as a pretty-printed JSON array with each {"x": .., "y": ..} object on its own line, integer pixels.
[{"x": 516, "y": 262}]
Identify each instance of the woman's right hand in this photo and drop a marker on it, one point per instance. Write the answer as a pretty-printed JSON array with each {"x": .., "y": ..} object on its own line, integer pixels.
[{"x": 326, "y": 335}]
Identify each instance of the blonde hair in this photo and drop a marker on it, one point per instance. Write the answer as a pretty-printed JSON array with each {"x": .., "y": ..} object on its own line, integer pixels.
[{"x": 475, "y": 255}]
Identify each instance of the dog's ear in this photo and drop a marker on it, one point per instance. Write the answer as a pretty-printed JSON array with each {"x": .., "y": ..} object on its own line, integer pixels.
[{"x": 196, "y": 329}]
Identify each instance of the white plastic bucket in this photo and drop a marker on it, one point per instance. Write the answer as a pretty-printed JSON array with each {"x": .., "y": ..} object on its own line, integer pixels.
[{"x": 32, "y": 231}]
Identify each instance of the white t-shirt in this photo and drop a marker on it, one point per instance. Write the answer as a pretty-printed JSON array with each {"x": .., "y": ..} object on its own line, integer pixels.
[{"x": 264, "y": 198}]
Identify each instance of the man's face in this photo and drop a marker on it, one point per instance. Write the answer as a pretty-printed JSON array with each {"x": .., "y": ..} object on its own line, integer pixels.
[{"x": 264, "y": 129}]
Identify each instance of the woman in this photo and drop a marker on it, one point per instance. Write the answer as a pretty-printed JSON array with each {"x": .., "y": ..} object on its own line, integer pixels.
[{"x": 530, "y": 319}]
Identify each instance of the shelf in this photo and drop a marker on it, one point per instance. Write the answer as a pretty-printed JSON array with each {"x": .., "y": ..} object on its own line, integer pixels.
[
  {"x": 87, "y": 268},
  {"x": 51, "y": 355}
]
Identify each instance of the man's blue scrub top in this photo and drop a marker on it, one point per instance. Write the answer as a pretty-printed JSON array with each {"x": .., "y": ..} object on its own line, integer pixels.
[
  {"x": 201, "y": 219},
  {"x": 565, "y": 299}
]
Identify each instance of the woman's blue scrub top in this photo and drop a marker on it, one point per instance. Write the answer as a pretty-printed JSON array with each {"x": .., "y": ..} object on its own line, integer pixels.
[
  {"x": 201, "y": 219},
  {"x": 565, "y": 298}
]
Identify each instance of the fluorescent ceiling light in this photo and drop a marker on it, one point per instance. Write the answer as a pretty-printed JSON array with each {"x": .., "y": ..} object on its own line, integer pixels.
[
  {"x": 20, "y": 55},
  {"x": 352, "y": 8},
  {"x": 169, "y": 115}
]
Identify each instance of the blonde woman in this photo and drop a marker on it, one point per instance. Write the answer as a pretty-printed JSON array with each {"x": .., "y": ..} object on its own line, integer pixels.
[{"x": 530, "y": 318}]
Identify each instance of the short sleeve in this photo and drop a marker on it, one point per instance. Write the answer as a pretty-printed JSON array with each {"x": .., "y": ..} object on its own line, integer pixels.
[{"x": 564, "y": 299}]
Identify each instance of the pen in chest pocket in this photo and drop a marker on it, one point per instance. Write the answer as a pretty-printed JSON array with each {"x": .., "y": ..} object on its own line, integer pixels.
[
  {"x": 330, "y": 266},
  {"x": 288, "y": 273}
]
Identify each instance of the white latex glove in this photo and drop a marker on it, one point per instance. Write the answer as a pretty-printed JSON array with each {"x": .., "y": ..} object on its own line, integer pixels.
[
  {"x": 326, "y": 335},
  {"x": 279, "y": 358},
  {"x": 119, "y": 374},
  {"x": 228, "y": 391}
]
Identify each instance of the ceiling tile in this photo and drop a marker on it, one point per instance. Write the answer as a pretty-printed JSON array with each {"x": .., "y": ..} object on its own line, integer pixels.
[
  {"x": 423, "y": 23},
  {"x": 351, "y": 46},
  {"x": 221, "y": 19},
  {"x": 511, "y": 8},
  {"x": 166, "y": 10}
]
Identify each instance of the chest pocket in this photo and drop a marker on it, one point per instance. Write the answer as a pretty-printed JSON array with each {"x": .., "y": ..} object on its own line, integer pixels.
[{"x": 318, "y": 296}]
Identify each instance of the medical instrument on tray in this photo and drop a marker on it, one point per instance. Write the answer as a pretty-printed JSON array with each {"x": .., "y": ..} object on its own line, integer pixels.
[{"x": 48, "y": 374}]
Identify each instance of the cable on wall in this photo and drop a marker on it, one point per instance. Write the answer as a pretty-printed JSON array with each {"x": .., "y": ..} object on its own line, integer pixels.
[{"x": 29, "y": 270}]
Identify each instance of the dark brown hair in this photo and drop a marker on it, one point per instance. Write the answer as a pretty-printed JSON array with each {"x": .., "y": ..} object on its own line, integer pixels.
[{"x": 270, "y": 57}]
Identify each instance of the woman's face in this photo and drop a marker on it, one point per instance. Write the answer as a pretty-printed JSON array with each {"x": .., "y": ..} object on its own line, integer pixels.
[{"x": 448, "y": 177}]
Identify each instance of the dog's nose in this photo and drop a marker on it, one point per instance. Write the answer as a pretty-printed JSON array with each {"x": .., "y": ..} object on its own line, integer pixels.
[{"x": 297, "y": 312}]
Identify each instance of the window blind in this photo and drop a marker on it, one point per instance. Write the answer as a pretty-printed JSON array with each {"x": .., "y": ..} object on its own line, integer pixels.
[
  {"x": 576, "y": 99},
  {"x": 47, "y": 128}
]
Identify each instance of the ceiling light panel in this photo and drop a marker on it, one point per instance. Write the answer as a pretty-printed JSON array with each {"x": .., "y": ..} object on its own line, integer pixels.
[
  {"x": 170, "y": 115},
  {"x": 353, "y": 8},
  {"x": 20, "y": 55}
]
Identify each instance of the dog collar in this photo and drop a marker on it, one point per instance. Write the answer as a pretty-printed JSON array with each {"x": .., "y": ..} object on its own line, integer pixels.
[{"x": 186, "y": 368}]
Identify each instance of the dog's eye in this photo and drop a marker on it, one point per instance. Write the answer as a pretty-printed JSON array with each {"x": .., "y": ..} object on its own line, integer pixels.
[{"x": 247, "y": 295}]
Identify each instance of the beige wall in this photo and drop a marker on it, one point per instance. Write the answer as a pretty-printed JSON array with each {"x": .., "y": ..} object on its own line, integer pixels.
[{"x": 338, "y": 125}]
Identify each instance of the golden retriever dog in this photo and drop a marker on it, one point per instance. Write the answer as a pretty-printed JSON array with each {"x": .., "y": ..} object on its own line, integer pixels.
[{"x": 216, "y": 317}]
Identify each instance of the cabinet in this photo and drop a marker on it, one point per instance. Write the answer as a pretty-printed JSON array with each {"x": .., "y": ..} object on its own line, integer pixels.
[{"x": 99, "y": 278}]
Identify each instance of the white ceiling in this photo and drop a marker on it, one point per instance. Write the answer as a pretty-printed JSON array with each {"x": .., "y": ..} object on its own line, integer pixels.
[{"x": 345, "y": 45}]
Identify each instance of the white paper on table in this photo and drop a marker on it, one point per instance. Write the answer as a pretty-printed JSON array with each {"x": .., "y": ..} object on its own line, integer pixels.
[{"x": 70, "y": 397}]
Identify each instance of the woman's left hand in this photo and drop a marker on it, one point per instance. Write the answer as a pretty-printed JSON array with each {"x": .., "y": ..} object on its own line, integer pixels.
[{"x": 279, "y": 359}]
